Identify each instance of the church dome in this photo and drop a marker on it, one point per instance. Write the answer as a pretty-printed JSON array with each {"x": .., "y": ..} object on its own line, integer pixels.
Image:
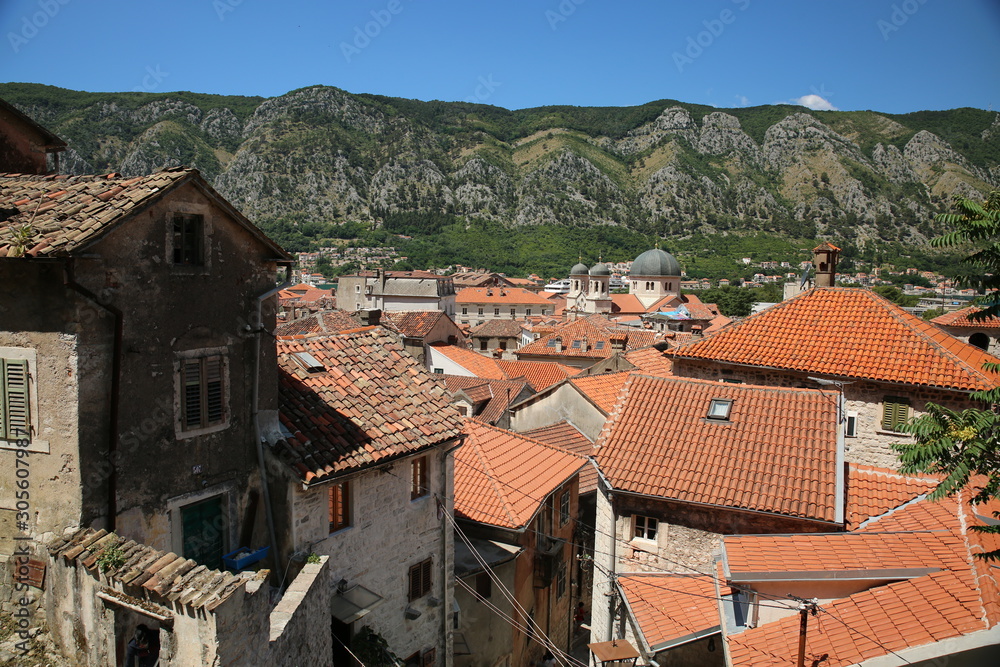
[
  {"x": 655, "y": 262},
  {"x": 579, "y": 270},
  {"x": 600, "y": 270}
]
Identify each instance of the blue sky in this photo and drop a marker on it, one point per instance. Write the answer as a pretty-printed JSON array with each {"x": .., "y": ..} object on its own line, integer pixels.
[{"x": 893, "y": 56}]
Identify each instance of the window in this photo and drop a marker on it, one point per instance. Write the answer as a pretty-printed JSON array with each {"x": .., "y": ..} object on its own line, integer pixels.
[
  {"x": 484, "y": 585},
  {"x": 202, "y": 382},
  {"x": 439, "y": 371},
  {"x": 502, "y": 344},
  {"x": 340, "y": 506},
  {"x": 513, "y": 311},
  {"x": 561, "y": 580},
  {"x": 188, "y": 233},
  {"x": 483, "y": 345},
  {"x": 418, "y": 478},
  {"x": 480, "y": 311},
  {"x": 895, "y": 413},
  {"x": 15, "y": 417},
  {"x": 719, "y": 409},
  {"x": 851, "y": 427},
  {"x": 465, "y": 310},
  {"x": 496, "y": 312},
  {"x": 645, "y": 527},
  {"x": 527, "y": 312},
  {"x": 420, "y": 580},
  {"x": 357, "y": 289},
  {"x": 564, "y": 508}
]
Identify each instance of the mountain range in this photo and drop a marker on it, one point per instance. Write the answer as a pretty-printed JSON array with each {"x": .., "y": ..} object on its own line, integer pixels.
[{"x": 664, "y": 168}]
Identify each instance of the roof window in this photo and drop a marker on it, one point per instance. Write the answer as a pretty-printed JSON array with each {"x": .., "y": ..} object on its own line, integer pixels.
[
  {"x": 719, "y": 409},
  {"x": 308, "y": 362}
]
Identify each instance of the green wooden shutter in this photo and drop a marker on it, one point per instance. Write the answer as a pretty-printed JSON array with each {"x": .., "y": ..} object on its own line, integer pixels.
[
  {"x": 895, "y": 413},
  {"x": 15, "y": 418}
]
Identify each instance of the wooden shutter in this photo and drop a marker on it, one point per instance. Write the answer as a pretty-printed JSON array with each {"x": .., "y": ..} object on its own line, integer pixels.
[
  {"x": 213, "y": 391},
  {"x": 895, "y": 413},
  {"x": 191, "y": 381},
  {"x": 420, "y": 579},
  {"x": 15, "y": 419}
]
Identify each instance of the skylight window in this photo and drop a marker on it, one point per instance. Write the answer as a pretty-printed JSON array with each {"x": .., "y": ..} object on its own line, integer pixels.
[
  {"x": 308, "y": 362},
  {"x": 599, "y": 345},
  {"x": 576, "y": 345},
  {"x": 719, "y": 409}
]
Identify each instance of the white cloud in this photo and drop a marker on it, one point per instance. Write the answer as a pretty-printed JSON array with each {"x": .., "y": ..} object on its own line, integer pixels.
[
  {"x": 814, "y": 102},
  {"x": 743, "y": 100}
]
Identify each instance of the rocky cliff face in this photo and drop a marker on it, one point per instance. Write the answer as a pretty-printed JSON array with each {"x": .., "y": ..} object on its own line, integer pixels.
[{"x": 326, "y": 154}]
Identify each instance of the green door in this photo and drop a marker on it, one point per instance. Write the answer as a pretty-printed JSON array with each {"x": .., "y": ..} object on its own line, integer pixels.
[{"x": 204, "y": 532}]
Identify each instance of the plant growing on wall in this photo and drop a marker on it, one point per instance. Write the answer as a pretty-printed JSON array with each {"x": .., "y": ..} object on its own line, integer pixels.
[{"x": 111, "y": 558}]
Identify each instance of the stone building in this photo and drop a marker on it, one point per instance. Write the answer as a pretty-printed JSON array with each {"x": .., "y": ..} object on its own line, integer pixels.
[
  {"x": 685, "y": 461},
  {"x": 886, "y": 362},
  {"x": 984, "y": 333},
  {"x": 481, "y": 304},
  {"x": 363, "y": 469},
  {"x": 396, "y": 291},
  {"x": 515, "y": 505}
]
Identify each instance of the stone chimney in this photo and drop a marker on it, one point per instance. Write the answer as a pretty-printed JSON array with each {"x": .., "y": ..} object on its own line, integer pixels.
[
  {"x": 370, "y": 317},
  {"x": 825, "y": 264},
  {"x": 558, "y": 345}
]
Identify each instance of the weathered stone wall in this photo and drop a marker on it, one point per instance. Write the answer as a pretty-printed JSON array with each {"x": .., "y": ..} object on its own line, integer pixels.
[
  {"x": 388, "y": 534},
  {"x": 489, "y": 635},
  {"x": 871, "y": 445},
  {"x": 300, "y": 623},
  {"x": 603, "y": 600}
]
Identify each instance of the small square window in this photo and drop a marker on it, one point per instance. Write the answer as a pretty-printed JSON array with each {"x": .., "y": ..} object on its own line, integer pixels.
[
  {"x": 719, "y": 409},
  {"x": 851, "y": 425},
  {"x": 644, "y": 527}
]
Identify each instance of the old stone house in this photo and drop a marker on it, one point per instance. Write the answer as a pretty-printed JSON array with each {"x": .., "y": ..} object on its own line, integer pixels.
[
  {"x": 486, "y": 400},
  {"x": 685, "y": 461},
  {"x": 983, "y": 333},
  {"x": 585, "y": 342},
  {"x": 121, "y": 362},
  {"x": 515, "y": 505},
  {"x": 419, "y": 329},
  {"x": 496, "y": 336},
  {"x": 25, "y": 146},
  {"x": 363, "y": 467},
  {"x": 886, "y": 362}
]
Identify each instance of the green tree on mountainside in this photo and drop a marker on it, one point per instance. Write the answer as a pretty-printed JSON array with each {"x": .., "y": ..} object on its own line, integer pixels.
[{"x": 962, "y": 444}]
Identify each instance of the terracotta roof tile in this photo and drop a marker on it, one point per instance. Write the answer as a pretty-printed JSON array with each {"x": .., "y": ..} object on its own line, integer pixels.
[
  {"x": 650, "y": 361},
  {"x": 330, "y": 321},
  {"x": 872, "y": 492},
  {"x": 539, "y": 374},
  {"x": 413, "y": 324},
  {"x": 478, "y": 364},
  {"x": 960, "y": 318},
  {"x": 566, "y": 436},
  {"x": 602, "y": 389},
  {"x": 157, "y": 577},
  {"x": 589, "y": 337},
  {"x": 498, "y": 394},
  {"x": 659, "y": 442},
  {"x": 68, "y": 212},
  {"x": 909, "y": 613},
  {"x": 497, "y": 329},
  {"x": 847, "y": 333},
  {"x": 500, "y": 296},
  {"x": 672, "y": 607},
  {"x": 502, "y": 478},
  {"x": 371, "y": 401}
]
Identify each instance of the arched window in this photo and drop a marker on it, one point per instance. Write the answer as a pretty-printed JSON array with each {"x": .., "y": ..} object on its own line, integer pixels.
[{"x": 980, "y": 340}]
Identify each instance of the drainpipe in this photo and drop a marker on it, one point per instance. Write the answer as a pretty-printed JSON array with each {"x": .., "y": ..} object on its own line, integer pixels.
[
  {"x": 258, "y": 330},
  {"x": 448, "y": 569},
  {"x": 116, "y": 371}
]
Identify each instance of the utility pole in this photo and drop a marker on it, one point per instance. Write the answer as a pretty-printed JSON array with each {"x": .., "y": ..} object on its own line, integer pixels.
[{"x": 806, "y": 607}]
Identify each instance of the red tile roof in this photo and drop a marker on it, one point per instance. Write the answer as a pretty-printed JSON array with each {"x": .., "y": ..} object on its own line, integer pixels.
[
  {"x": 498, "y": 394},
  {"x": 330, "y": 321},
  {"x": 500, "y": 295},
  {"x": 602, "y": 389},
  {"x": 67, "y": 213},
  {"x": 497, "y": 329},
  {"x": 960, "y": 318},
  {"x": 872, "y": 492},
  {"x": 847, "y": 333},
  {"x": 371, "y": 402},
  {"x": 539, "y": 374},
  {"x": 502, "y": 478},
  {"x": 566, "y": 436},
  {"x": 650, "y": 361},
  {"x": 413, "y": 323},
  {"x": 748, "y": 557},
  {"x": 589, "y": 337},
  {"x": 670, "y": 608},
  {"x": 776, "y": 452},
  {"x": 867, "y": 624},
  {"x": 477, "y": 364}
]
